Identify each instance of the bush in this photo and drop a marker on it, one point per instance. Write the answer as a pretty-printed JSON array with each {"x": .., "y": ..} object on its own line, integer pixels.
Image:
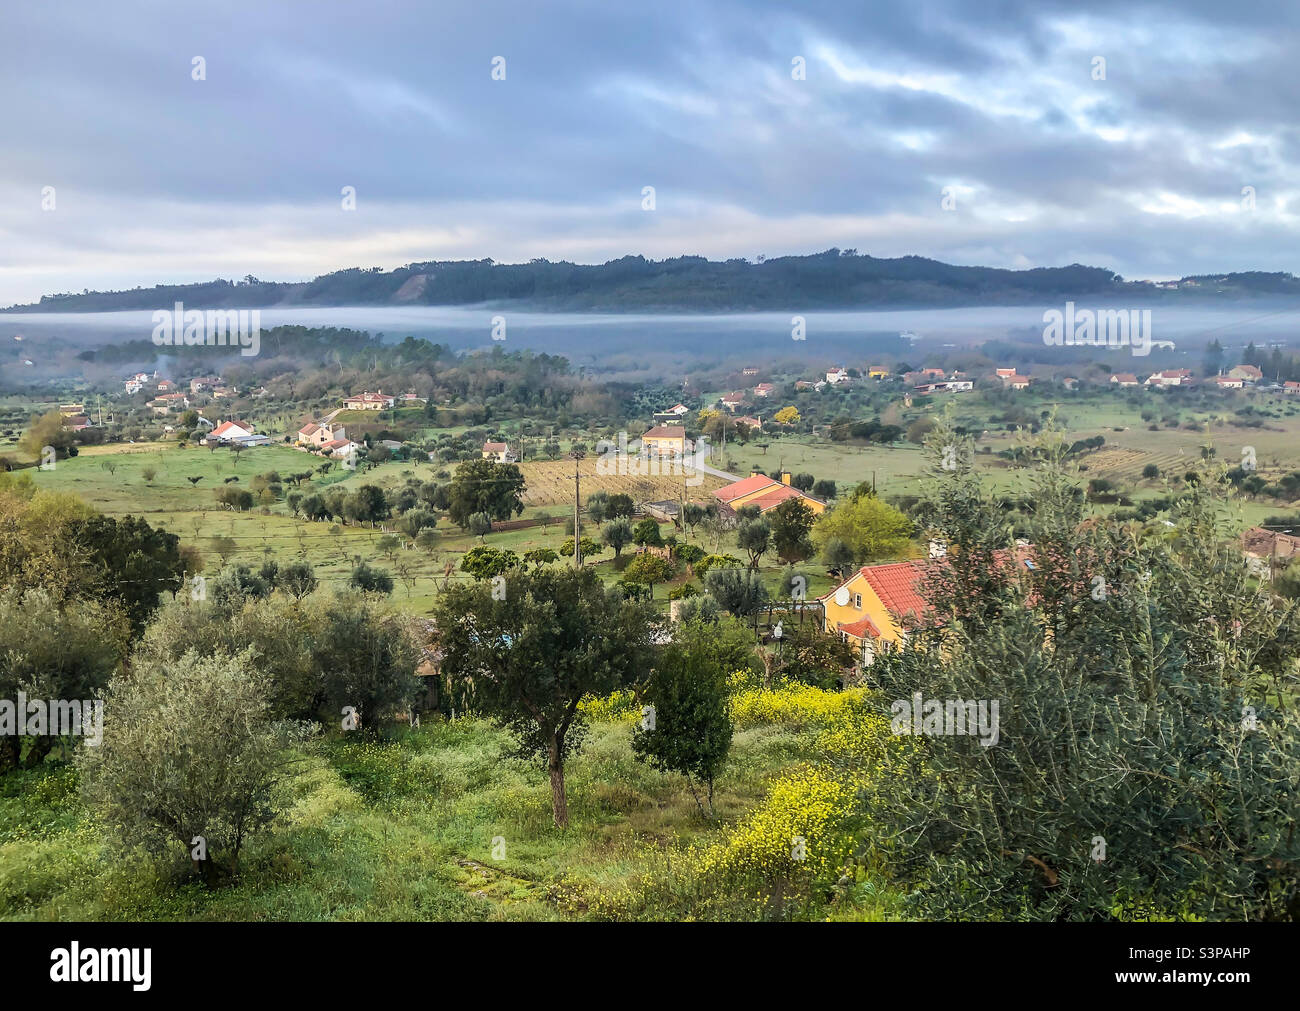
[
  {"x": 371, "y": 580},
  {"x": 189, "y": 751}
]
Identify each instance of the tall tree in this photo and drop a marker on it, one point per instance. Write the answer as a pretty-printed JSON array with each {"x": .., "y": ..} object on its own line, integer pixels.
[
  {"x": 688, "y": 729},
  {"x": 485, "y": 486},
  {"x": 791, "y": 523},
  {"x": 532, "y": 653}
]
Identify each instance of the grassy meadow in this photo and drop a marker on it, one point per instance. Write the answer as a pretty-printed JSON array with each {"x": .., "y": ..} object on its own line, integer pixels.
[{"x": 446, "y": 822}]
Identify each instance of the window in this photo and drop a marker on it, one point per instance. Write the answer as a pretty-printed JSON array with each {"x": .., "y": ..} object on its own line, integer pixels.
[{"x": 857, "y": 601}]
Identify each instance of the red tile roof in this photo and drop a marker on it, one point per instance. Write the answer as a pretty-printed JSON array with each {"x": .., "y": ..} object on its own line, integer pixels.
[
  {"x": 756, "y": 482},
  {"x": 896, "y": 585},
  {"x": 860, "y": 629},
  {"x": 311, "y": 428},
  {"x": 779, "y": 494},
  {"x": 226, "y": 426},
  {"x": 773, "y": 498}
]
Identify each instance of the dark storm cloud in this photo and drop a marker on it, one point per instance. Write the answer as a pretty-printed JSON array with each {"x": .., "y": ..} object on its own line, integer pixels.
[{"x": 159, "y": 177}]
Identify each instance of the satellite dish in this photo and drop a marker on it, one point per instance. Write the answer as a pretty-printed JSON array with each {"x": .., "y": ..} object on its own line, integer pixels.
[{"x": 842, "y": 596}]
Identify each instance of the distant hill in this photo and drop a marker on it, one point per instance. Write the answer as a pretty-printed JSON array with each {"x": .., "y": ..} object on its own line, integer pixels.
[{"x": 833, "y": 279}]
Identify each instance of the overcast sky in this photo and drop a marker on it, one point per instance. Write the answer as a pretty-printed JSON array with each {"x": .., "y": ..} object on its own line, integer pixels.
[{"x": 161, "y": 177}]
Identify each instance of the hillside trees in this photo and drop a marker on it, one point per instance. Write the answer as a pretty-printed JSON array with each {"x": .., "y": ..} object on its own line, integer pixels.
[{"x": 1146, "y": 690}]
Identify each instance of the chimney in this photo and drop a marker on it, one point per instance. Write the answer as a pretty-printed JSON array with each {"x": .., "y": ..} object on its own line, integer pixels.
[{"x": 785, "y": 477}]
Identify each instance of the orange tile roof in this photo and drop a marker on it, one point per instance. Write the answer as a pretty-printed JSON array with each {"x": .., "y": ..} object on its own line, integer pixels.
[
  {"x": 896, "y": 585},
  {"x": 751, "y": 484},
  {"x": 860, "y": 629},
  {"x": 775, "y": 497}
]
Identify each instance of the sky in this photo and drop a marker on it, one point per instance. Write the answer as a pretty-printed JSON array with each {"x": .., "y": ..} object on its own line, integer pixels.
[{"x": 173, "y": 141}]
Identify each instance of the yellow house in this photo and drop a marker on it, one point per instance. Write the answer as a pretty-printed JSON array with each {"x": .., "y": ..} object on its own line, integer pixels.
[
  {"x": 665, "y": 440},
  {"x": 878, "y": 372},
  {"x": 869, "y": 608},
  {"x": 767, "y": 493}
]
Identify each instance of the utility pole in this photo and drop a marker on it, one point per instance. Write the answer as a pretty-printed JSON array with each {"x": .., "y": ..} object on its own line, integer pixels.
[{"x": 577, "y": 455}]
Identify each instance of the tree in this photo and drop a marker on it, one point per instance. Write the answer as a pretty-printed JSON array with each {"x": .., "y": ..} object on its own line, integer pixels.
[
  {"x": 687, "y": 694},
  {"x": 485, "y": 486},
  {"x": 368, "y": 505},
  {"x": 693, "y": 514},
  {"x": 298, "y": 579},
  {"x": 791, "y": 522},
  {"x": 1213, "y": 358},
  {"x": 388, "y": 546},
  {"x": 415, "y": 520},
  {"x": 824, "y": 489},
  {"x": 538, "y": 557},
  {"x": 529, "y": 659},
  {"x": 278, "y": 631},
  {"x": 804, "y": 482},
  {"x": 47, "y": 430},
  {"x": 619, "y": 505},
  {"x": 754, "y": 536},
  {"x": 871, "y": 528},
  {"x": 688, "y": 553},
  {"x": 787, "y": 416},
  {"x": 647, "y": 570},
  {"x": 483, "y": 562},
  {"x": 234, "y": 585},
  {"x": 370, "y": 580},
  {"x": 597, "y": 504},
  {"x": 479, "y": 524},
  {"x": 131, "y": 562},
  {"x": 54, "y": 649},
  {"x": 1146, "y": 689},
  {"x": 189, "y": 750},
  {"x": 837, "y": 556},
  {"x": 367, "y": 659},
  {"x": 616, "y": 534},
  {"x": 590, "y": 548},
  {"x": 739, "y": 590},
  {"x": 427, "y": 539},
  {"x": 646, "y": 533}
]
